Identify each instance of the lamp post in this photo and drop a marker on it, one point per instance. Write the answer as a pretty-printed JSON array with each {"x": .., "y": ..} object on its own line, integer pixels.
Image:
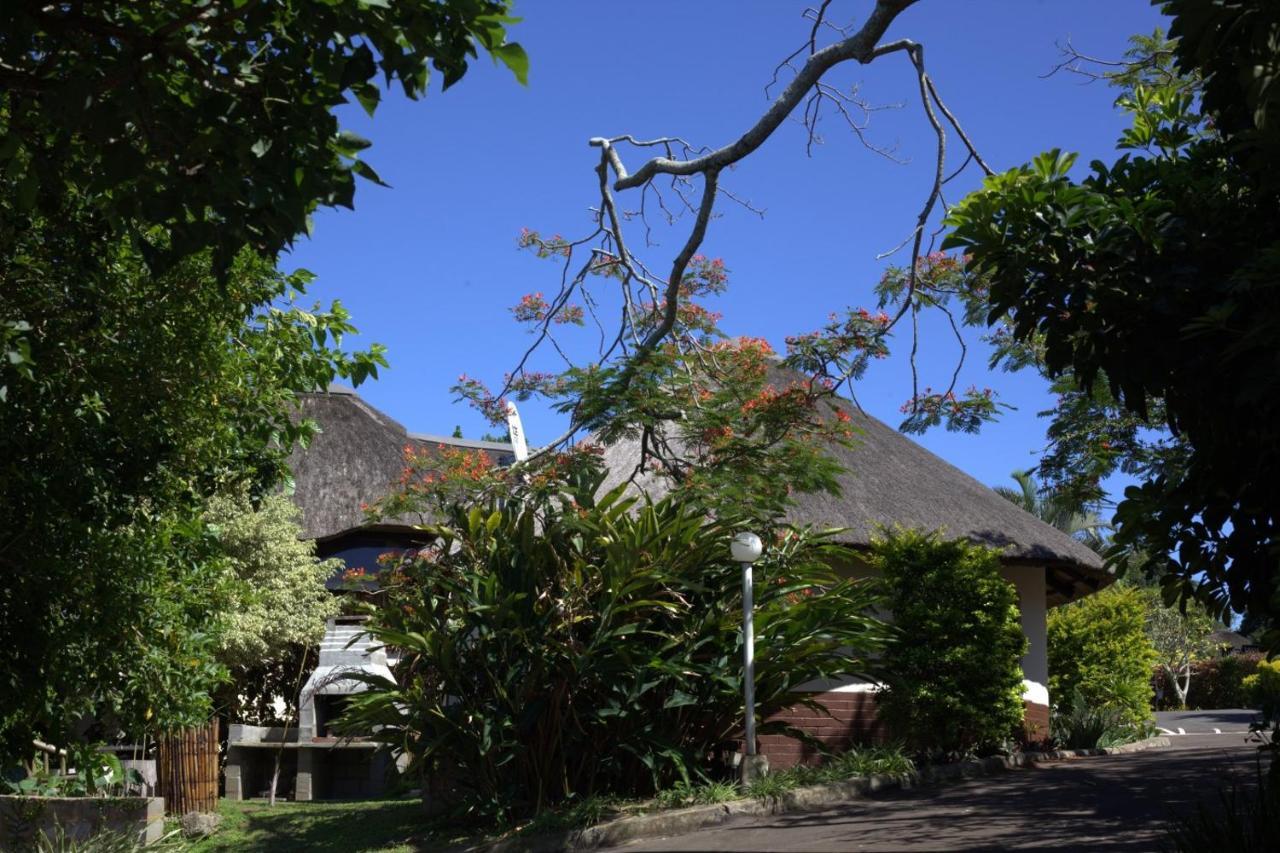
[{"x": 746, "y": 549}]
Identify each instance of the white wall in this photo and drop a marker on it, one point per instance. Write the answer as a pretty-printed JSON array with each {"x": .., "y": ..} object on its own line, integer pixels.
[{"x": 1030, "y": 583}]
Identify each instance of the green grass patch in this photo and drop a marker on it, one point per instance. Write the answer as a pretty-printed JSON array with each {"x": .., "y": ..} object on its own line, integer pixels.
[{"x": 388, "y": 825}]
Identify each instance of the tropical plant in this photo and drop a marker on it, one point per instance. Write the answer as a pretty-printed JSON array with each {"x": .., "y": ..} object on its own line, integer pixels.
[
  {"x": 557, "y": 645},
  {"x": 1098, "y": 646},
  {"x": 1078, "y": 725},
  {"x": 1056, "y": 509},
  {"x": 953, "y": 671}
]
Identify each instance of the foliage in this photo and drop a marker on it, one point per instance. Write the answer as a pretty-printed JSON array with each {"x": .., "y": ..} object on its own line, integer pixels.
[
  {"x": 1244, "y": 818},
  {"x": 1054, "y": 508},
  {"x": 1098, "y": 646},
  {"x": 1180, "y": 637},
  {"x": 1151, "y": 281},
  {"x": 1217, "y": 682},
  {"x": 146, "y": 396},
  {"x": 731, "y": 419},
  {"x": 953, "y": 673},
  {"x": 97, "y": 774},
  {"x": 211, "y": 120},
  {"x": 556, "y": 645},
  {"x": 683, "y": 794},
  {"x": 1078, "y": 725},
  {"x": 1263, "y": 689},
  {"x": 285, "y": 602}
]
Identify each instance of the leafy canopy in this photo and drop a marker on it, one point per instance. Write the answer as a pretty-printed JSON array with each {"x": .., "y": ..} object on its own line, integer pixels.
[
  {"x": 1152, "y": 280},
  {"x": 213, "y": 119}
]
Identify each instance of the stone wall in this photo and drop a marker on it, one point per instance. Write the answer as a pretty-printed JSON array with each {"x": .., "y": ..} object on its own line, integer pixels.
[{"x": 23, "y": 819}]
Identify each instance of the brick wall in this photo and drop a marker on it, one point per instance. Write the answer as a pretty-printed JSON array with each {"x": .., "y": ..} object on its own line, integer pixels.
[{"x": 852, "y": 722}]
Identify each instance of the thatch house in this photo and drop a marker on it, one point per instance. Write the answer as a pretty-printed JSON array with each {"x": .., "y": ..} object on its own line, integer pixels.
[
  {"x": 888, "y": 480},
  {"x": 354, "y": 460}
]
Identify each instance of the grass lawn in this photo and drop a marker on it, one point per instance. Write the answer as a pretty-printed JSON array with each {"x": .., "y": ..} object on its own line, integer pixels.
[{"x": 387, "y": 825}]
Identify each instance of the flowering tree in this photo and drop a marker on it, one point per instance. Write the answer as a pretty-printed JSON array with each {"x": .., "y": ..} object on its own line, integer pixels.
[{"x": 659, "y": 372}]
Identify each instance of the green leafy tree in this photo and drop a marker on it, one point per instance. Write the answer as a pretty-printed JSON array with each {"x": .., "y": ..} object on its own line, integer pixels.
[
  {"x": 1153, "y": 278},
  {"x": 213, "y": 120},
  {"x": 1180, "y": 638},
  {"x": 1099, "y": 647},
  {"x": 558, "y": 642},
  {"x": 953, "y": 671},
  {"x": 149, "y": 395}
]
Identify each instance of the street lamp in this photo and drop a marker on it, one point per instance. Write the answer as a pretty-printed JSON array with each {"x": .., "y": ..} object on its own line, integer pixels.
[{"x": 746, "y": 549}]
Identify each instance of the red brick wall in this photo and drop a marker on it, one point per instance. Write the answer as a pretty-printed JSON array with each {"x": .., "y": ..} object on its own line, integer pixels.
[{"x": 852, "y": 721}]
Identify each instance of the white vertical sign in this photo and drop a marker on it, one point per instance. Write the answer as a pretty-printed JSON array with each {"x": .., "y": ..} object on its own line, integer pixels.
[{"x": 518, "y": 443}]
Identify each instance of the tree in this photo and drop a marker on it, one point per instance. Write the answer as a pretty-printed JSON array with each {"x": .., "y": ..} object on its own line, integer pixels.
[
  {"x": 1180, "y": 638},
  {"x": 149, "y": 395},
  {"x": 664, "y": 334},
  {"x": 154, "y": 159},
  {"x": 1153, "y": 278},
  {"x": 283, "y": 600},
  {"x": 1055, "y": 509},
  {"x": 212, "y": 120}
]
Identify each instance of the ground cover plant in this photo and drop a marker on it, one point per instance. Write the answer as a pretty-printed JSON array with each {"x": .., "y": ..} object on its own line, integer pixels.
[
  {"x": 558, "y": 644},
  {"x": 953, "y": 672}
]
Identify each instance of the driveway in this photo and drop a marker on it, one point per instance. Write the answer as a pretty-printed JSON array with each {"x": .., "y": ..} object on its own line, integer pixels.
[
  {"x": 1205, "y": 722},
  {"x": 1110, "y": 803}
]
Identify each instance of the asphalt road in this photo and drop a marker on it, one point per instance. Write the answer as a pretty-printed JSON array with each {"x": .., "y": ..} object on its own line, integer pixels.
[
  {"x": 1108, "y": 803},
  {"x": 1205, "y": 722}
]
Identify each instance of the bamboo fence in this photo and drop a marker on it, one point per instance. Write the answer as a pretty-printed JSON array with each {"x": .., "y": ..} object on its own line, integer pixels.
[{"x": 187, "y": 769}]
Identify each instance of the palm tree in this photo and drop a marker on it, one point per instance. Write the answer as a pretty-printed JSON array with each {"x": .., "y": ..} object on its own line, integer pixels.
[{"x": 1054, "y": 509}]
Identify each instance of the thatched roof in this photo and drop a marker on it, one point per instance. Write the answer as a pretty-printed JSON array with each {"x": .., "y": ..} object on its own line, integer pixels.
[
  {"x": 888, "y": 480},
  {"x": 891, "y": 480},
  {"x": 355, "y": 459}
]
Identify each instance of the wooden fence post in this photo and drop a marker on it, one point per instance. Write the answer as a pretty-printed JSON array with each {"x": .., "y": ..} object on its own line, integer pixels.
[{"x": 187, "y": 769}]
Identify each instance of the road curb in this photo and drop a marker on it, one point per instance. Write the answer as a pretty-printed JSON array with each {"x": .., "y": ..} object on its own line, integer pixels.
[{"x": 811, "y": 798}]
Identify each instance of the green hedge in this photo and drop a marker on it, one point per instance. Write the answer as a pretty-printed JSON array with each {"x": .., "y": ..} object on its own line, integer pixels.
[
  {"x": 1099, "y": 645},
  {"x": 953, "y": 674}
]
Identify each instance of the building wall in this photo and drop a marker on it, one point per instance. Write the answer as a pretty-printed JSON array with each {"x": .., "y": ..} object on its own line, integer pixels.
[{"x": 853, "y": 719}]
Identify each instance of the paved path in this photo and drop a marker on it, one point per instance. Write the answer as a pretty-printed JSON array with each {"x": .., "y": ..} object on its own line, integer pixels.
[
  {"x": 1205, "y": 722},
  {"x": 1108, "y": 803}
]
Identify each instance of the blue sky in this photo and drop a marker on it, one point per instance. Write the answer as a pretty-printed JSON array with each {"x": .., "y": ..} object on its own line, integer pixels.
[{"x": 430, "y": 267}]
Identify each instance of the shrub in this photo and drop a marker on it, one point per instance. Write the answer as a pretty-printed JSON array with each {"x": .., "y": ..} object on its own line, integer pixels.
[
  {"x": 953, "y": 673},
  {"x": 1262, "y": 689},
  {"x": 1099, "y": 646},
  {"x": 1244, "y": 819},
  {"x": 555, "y": 646}
]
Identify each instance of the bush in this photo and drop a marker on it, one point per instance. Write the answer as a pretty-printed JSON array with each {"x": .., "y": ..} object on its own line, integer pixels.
[
  {"x": 1245, "y": 819},
  {"x": 1262, "y": 689},
  {"x": 1099, "y": 647},
  {"x": 556, "y": 647},
  {"x": 953, "y": 674}
]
